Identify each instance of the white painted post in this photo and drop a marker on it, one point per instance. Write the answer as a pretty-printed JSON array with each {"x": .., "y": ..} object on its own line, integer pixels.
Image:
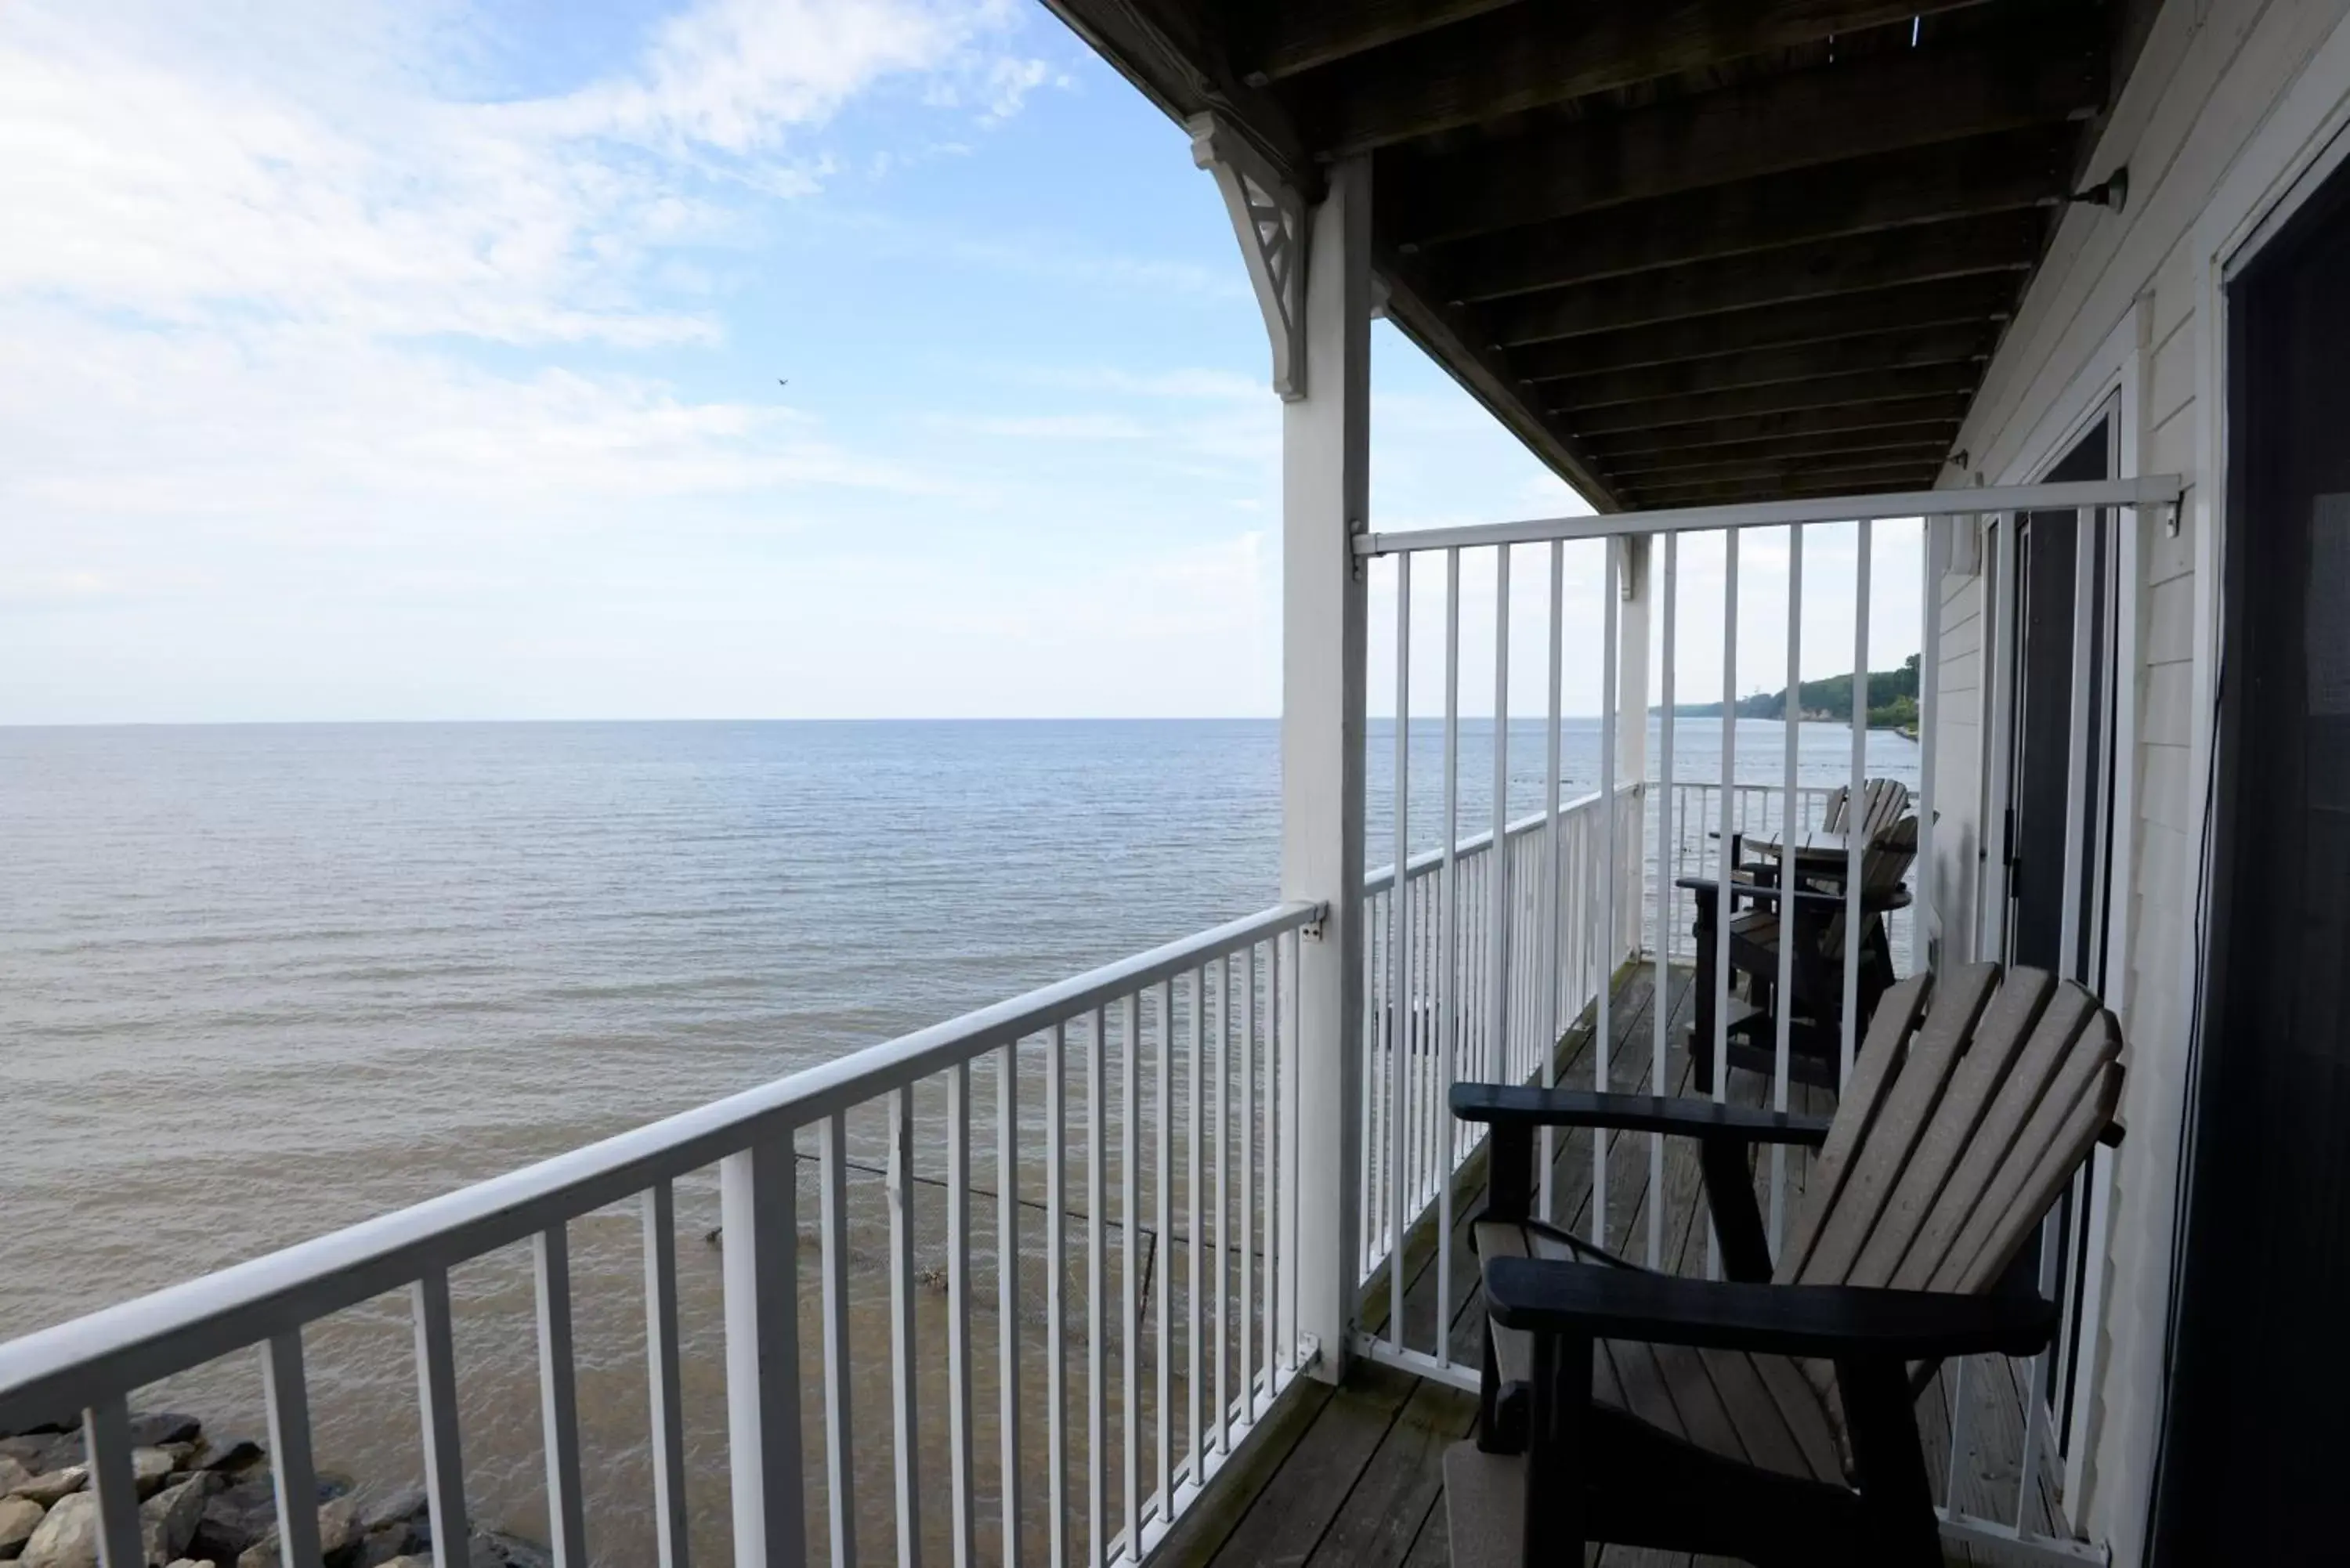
[
  {"x": 1325, "y": 493},
  {"x": 1631, "y": 730}
]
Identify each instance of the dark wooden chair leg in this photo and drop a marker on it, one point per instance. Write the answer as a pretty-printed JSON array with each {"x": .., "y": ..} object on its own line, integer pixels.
[
  {"x": 1889, "y": 1463},
  {"x": 1558, "y": 1429}
]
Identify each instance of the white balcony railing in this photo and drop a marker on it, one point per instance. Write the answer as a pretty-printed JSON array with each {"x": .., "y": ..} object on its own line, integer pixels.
[
  {"x": 1176, "y": 1143},
  {"x": 1554, "y": 960}
]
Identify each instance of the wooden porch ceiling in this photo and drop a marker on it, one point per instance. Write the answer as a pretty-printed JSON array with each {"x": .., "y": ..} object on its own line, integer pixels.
[{"x": 1689, "y": 250}]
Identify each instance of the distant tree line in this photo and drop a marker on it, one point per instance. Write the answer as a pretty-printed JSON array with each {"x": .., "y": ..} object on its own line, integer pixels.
[{"x": 1892, "y": 699}]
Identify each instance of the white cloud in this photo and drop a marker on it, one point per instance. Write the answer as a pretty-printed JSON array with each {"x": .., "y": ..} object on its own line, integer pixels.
[
  {"x": 738, "y": 75},
  {"x": 240, "y": 249}
]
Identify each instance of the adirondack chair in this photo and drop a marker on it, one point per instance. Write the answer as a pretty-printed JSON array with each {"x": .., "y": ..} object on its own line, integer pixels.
[
  {"x": 1769, "y": 1416},
  {"x": 1817, "y": 927}
]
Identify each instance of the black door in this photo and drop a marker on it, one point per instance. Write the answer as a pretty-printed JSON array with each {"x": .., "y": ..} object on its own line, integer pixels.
[
  {"x": 2254, "y": 1438},
  {"x": 2051, "y": 547}
]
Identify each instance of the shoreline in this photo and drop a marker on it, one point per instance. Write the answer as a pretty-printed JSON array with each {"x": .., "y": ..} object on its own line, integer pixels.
[{"x": 210, "y": 1501}]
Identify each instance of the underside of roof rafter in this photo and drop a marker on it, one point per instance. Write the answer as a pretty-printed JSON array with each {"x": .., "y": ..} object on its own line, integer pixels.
[{"x": 1682, "y": 248}]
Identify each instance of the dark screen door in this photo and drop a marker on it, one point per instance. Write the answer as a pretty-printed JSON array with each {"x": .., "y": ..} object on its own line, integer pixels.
[
  {"x": 2255, "y": 1433},
  {"x": 2052, "y": 548}
]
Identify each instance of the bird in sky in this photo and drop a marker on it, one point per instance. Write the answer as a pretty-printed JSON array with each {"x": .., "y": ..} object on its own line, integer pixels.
[{"x": 783, "y": 380}]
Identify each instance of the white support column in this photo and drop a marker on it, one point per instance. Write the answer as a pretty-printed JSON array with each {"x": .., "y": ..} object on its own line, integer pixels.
[{"x": 1326, "y": 492}]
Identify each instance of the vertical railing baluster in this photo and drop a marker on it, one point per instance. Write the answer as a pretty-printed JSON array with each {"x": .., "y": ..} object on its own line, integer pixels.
[
  {"x": 1725, "y": 859},
  {"x": 1605, "y": 953},
  {"x": 1270, "y": 1111},
  {"x": 1399, "y": 914},
  {"x": 1660, "y": 1006},
  {"x": 1450, "y": 991},
  {"x": 1222, "y": 1140},
  {"x": 662, "y": 1384},
  {"x": 1162, "y": 1250},
  {"x": 1497, "y": 853},
  {"x": 1057, "y": 1266},
  {"x": 106, "y": 1436},
  {"x": 758, "y": 1200},
  {"x": 839, "y": 1446},
  {"x": 1130, "y": 1258},
  {"x": 558, "y": 1395},
  {"x": 1245, "y": 1320},
  {"x": 288, "y": 1390},
  {"x": 1285, "y": 1332},
  {"x": 962, "y": 1496},
  {"x": 1792, "y": 720},
  {"x": 1008, "y": 1291},
  {"x": 1855, "y": 842},
  {"x": 436, "y": 1387},
  {"x": 1096, "y": 1288},
  {"x": 1195, "y": 1306},
  {"x": 904, "y": 1342},
  {"x": 1552, "y": 928}
]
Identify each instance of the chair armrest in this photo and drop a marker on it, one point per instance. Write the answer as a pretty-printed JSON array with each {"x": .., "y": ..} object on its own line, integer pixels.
[
  {"x": 1519, "y": 1106},
  {"x": 1809, "y": 900},
  {"x": 1833, "y": 1322},
  {"x": 1769, "y": 892}
]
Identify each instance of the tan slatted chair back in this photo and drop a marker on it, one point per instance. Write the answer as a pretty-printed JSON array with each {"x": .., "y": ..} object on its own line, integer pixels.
[
  {"x": 1882, "y": 864},
  {"x": 1961, "y": 1123},
  {"x": 1882, "y": 804}
]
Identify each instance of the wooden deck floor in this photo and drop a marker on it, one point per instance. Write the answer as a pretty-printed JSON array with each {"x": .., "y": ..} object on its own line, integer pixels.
[{"x": 1352, "y": 1476}]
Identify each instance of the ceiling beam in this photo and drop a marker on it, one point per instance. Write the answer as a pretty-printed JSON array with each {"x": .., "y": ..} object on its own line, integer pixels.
[
  {"x": 1531, "y": 56},
  {"x": 1808, "y": 473},
  {"x": 1851, "y": 109},
  {"x": 1897, "y": 445},
  {"x": 1283, "y": 40},
  {"x": 1976, "y": 177},
  {"x": 1942, "y": 412},
  {"x": 1793, "y": 485},
  {"x": 1911, "y": 452},
  {"x": 1958, "y": 300},
  {"x": 1578, "y": 395},
  {"x": 1788, "y": 397},
  {"x": 1175, "y": 53},
  {"x": 2009, "y": 243},
  {"x": 1485, "y": 377}
]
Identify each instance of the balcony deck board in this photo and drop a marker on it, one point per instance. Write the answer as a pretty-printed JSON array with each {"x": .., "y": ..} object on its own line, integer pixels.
[{"x": 1359, "y": 1482}]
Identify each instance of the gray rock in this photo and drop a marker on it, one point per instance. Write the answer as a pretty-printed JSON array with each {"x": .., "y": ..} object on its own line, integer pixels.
[
  {"x": 45, "y": 1490},
  {"x": 339, "y": 1532},
  {"x": 401, "y": 1507},
  {"x": 228, "y": 1453},
  {"x": 398, "y": 1524},
  {"x": 167, "y": 1521},
  {"x": 235, "y": 1518},
  {"x": 12, "y": 1474},
  {"x": 193, "y": 1562},
  {"x": 510, "y": 1550},
  {"x": 339, "y": 1538},
  {"x": 19, "y": 1517},
  {"x": 67, "y": 1537},
  {"x": 42, "y": 1455},
  {"x": 164, "y": 1427},
  {"x": 150, "y": 1469}
]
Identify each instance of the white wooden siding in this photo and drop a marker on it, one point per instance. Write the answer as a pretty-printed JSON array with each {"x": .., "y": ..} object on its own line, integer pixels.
[{"x": 2229, "y": 99}]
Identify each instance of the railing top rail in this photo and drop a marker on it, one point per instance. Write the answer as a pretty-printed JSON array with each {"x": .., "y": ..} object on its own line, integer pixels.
[
  {"x": 119, "y": 1348},
  {"x": 1428, "y": 860},
  {"x": 2151, "y": 490}
]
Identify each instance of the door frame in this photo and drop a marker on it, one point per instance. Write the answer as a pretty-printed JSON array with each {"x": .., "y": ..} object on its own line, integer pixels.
[
  {"x": 2110, "y": 386},
  {"x": 2255, "y": 205}
]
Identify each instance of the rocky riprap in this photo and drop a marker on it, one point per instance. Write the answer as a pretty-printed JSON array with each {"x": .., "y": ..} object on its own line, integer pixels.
[{"x": 209, "y": 1501}]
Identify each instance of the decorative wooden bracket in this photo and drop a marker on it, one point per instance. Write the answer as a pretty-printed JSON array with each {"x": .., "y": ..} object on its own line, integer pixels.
[{"x": 1271, "y": 222}]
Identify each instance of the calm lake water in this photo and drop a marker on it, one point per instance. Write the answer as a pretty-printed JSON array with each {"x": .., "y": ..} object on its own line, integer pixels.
[{"x": 258, "y": 982}]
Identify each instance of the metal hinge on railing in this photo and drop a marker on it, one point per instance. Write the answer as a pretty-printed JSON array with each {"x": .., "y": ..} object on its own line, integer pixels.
[{"x": 1312, "y": 929}]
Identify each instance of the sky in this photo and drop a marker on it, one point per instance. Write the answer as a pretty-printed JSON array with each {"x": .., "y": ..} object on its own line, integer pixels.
[{"x": 397, "y": 359}]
